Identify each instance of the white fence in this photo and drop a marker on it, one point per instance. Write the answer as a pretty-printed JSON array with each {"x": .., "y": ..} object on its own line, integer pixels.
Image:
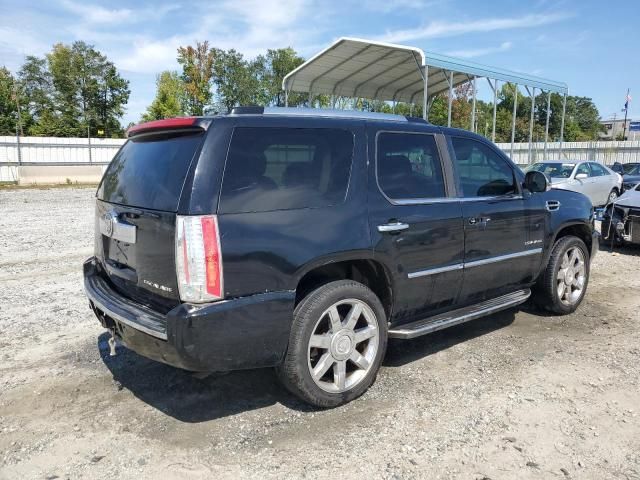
[
  {"x": 53, "y": 151},
  {"x": 100, "y": 151},
  {"x": 606, "y": 153}
]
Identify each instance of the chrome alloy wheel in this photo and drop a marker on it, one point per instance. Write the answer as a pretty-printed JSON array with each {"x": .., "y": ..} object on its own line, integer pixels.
[
  {"x": 613, "y": 196},
  {"x": 572, "y": 276},
  {"x": 343, "y": 345}
]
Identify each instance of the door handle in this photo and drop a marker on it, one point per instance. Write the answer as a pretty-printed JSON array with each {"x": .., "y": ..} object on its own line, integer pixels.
[
  {"x": 479, "y": 221},
  {"x": 393, "y": 227}
]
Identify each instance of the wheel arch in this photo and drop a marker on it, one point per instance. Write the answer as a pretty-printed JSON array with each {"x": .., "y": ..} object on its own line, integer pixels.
[{"x": 362, "y": 269}]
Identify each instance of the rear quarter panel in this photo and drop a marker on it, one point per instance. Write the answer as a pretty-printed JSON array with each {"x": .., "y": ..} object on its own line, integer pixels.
[{"x": 270, "y": 251}]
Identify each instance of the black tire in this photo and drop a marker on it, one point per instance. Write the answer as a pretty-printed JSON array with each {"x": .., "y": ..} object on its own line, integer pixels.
[
  {"x": 294, "y": 372},
  {"x": 546, "y": 291},
  {"x": 612, "y": 192}
]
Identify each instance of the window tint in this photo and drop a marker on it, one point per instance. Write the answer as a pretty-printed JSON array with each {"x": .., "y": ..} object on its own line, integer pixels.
[
  {"x": 286, "y": 168},
  {"x": 482, "y": 172},
  {"x": 583, "y": 168},
  {"x": 598, "y": 170},
  {"x": 408, "y": 166},
  {"x": 149, "y": 172}
]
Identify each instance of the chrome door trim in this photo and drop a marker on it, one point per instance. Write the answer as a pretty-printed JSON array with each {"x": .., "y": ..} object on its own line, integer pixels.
[
  {"x": 500, "y": 258},
  {"x": 475, "y": 263},
  {"x": 434, "y": 271}
]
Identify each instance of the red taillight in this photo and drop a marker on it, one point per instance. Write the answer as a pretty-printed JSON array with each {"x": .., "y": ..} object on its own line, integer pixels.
[
  {"x": 199, "y": 259},
  {"x": 212, "y": 255},
  {"x": 166, "y": 124}
]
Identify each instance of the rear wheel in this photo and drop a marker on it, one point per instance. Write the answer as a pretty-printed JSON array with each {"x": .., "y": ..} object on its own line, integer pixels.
[
  {"x": 337, "y": 343},
  {"x": 564, "y": 282}
]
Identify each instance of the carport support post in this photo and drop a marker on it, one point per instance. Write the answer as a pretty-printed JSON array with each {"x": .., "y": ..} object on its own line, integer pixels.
[
  {"x": 425, "y": 94},
  {"x": 564, "y": 111},
  {"x": 286, "y": 98},
  {"x": 450, "y": 98},
  {"x": 513, "y": 118},
  {"x": 546, "y": 126},
  {"x": 473, "y": 107},
  {"x": 533, "y": 108}
]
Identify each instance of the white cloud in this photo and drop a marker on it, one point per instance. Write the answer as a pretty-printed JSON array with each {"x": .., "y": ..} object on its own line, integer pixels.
[
  {"x": 150, "y": 56},
  {"x": 98, "y": 14},
  {"x": 480, "y": 52},
  {"x": 399, "y": 6},
  {"x": 449, "y": 29}
]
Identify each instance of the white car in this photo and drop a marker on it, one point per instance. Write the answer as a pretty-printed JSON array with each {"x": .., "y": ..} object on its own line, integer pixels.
[{"x": 601, "y": 184}]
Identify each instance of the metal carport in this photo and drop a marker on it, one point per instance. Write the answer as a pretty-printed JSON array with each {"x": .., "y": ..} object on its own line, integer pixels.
[{"x": 358, "y": 68}]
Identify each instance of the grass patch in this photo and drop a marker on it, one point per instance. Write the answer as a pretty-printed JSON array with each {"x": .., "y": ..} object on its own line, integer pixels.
[{"x": 44, "y": 186}]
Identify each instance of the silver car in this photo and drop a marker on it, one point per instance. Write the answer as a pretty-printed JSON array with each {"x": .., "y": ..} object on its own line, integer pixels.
[{"x": 601, "y": 184}]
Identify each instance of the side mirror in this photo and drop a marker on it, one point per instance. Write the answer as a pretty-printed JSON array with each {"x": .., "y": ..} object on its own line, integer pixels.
[
  {"x": 536, "y": 182},
  {"x": 581, "y": 176}
]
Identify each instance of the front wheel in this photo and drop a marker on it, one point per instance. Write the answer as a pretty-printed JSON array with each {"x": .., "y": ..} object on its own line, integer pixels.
[
  {"x": 563, "y": 284},
  {"x": 337, "y": 343},
  {"x": 613, "y": 196}
]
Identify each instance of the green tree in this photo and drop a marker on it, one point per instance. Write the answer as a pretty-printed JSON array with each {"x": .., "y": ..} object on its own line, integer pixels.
[
  {"x": 36, "y": 91},
  {"x": 238, "y": 81},
  {"x": 170, "y": 100},
  {"x": 87, "y": 92},
  {"x": 278, "y": 63},
  {"x": 8, "y": 109},
  {"x": 197, "y": 73}
]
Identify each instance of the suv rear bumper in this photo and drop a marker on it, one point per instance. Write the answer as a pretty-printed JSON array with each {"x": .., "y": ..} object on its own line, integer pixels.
[{"x": 245, "y": 332}]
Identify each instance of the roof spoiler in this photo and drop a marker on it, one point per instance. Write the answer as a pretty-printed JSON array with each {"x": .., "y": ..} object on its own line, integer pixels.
[{"x": 178, "y": 123}]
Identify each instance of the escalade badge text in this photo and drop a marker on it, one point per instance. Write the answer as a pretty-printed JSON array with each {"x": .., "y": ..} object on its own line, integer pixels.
[{"x": 157, "y": 286}]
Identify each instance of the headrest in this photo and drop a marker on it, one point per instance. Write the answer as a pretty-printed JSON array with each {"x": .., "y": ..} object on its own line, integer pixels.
[
  {"x": 255, "y": 164},
  {"x": 395, "y": 165}
]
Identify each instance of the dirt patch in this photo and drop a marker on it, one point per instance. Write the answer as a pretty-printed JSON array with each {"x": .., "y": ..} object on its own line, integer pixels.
[{"x": 519, "y": 394}]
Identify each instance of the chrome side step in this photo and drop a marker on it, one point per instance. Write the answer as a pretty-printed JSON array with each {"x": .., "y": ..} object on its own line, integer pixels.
[{"x": 448, "y": 319}]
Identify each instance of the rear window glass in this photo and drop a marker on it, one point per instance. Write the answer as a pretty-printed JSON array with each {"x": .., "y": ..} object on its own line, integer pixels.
[
  {"x": 150, "y": 172},
  {"x": 286, "y": 168}
]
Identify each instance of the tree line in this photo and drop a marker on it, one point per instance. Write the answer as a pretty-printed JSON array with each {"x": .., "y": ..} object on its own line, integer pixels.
[
  {"x": 75, "y": 90},
  {"x": 215, "y": 80}
]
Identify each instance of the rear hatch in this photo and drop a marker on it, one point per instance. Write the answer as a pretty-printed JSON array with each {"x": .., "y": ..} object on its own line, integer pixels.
[{"x": 136, "y": 207}]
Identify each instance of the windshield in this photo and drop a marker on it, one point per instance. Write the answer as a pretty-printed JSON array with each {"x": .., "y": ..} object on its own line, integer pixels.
[
  {"x": 553, "y": 169},
  {"x": 632, "y": 169}
]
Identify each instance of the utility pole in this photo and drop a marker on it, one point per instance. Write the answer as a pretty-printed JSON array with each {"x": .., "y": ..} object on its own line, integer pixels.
[{"x": 626, "y": 110}]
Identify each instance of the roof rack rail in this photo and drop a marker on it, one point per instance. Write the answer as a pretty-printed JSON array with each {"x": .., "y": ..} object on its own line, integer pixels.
[{"x": 323, "y": 112}]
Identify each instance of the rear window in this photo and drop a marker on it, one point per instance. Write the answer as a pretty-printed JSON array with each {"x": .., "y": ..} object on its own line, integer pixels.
[
  {"x": 286, "y": 168},
  {"x": 149, "y": 172}
]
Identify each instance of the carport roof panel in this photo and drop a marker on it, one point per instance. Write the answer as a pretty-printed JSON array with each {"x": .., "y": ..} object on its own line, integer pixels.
[{"x": 362, "y": 68}]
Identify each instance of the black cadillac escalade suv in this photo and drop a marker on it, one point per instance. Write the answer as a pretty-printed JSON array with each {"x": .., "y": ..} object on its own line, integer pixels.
[{"x": 304, "y": 239}]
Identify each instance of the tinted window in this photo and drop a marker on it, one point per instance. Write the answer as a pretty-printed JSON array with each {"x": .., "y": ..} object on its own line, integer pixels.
[
  {"x": 285, "y": 168},
  {"x": 598, "y": 170},
  {"x": 583, "y": 169},
  {"x": 408, "y": 166},
  {"x": 149, "y": 172},
  {"x": 482, "y": 171}
]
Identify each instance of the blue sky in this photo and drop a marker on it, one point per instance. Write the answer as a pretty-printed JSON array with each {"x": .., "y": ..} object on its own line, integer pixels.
[{"x": 590, "y": 45}]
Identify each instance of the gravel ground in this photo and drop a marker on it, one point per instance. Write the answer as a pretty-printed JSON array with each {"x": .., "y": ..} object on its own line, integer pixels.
[{"x": 516, "y": 395}]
